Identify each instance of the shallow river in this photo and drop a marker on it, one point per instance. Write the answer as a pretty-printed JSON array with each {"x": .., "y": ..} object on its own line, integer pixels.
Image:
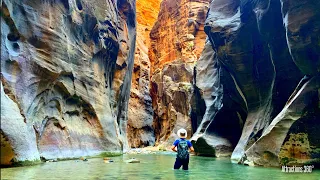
[{"x": 152, "y": 166}]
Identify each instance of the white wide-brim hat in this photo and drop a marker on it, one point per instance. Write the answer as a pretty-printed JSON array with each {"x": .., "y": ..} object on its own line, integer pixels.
[{"x": 182, "y": 131}]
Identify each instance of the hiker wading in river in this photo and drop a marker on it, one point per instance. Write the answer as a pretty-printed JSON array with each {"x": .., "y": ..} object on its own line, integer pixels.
[{"x": 183, "y": 147}]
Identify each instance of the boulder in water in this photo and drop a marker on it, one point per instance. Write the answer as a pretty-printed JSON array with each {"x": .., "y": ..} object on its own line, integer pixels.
[
  {"x": 133, "y": 160},
  {"x": 248, "y": 163}
]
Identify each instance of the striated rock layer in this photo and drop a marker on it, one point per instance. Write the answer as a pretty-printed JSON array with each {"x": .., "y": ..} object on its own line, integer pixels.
[
  {"x": 66, "y": 70},
  {"x": 140, "y": 113},
  {"x": 259, "y": 78},
  {"x": 177, "y": 39}
]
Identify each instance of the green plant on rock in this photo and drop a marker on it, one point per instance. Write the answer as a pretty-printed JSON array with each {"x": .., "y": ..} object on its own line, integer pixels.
[
  {"x": 26, "y": 163},
  {"x": 185, "y": 87},
  {"x": 162, "y": 148},
  {"x": 190, "y": 45},
  {"x": 110, "y": 154},
  {"x": 284, "y": 161}
]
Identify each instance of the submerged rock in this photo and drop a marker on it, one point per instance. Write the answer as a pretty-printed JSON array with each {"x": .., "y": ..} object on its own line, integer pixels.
[
  {"x": 107, "y": 160},
  {"x": 132, "y": 160},
  {"x": 52, "y": 160},
  {"x": 248, "y": 163}
]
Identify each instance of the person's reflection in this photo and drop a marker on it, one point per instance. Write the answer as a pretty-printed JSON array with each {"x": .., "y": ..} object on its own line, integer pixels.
[{"x": 181, "y": 174}]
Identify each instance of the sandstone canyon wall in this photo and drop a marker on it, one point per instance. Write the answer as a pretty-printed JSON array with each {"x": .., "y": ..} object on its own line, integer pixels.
[
  {"x": 259, "y": 78},
  {"x": 177, "y": 39},
  {"x": 140, "y": 112},
  {"x": 242, "y": 76},
  {"x": 66, "y": 70}
]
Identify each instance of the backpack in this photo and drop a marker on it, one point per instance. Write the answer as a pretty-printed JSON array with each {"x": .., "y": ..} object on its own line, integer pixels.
[{"x": 183, "y": 148}]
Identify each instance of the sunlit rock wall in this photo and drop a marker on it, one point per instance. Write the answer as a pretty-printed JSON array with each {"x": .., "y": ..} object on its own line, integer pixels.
[
  {"x": 263, "y": 94},
  {"x": 177, "y": 39},
  {"x": 140, "y": 112},
  {"x": 66, "y": 70}
]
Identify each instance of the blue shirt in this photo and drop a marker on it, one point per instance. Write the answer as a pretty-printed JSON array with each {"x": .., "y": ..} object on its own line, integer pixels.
[{"x": 176, "y": 142}]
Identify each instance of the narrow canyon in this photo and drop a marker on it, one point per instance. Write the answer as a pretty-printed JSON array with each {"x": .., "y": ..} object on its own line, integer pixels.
[{"x": 81, "y": 78}]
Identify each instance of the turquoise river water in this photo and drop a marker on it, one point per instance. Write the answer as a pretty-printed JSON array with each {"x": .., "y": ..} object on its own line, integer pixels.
[{"x": 152, "y": 166}]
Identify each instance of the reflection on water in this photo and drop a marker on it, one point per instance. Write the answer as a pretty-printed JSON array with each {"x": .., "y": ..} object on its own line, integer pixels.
[{"x": 153, "y": 166}]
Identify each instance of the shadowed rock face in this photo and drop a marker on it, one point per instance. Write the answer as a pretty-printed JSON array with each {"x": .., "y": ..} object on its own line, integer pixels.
[
  {"x": 66, "y": 72},
  {"x": 293, "y": 135},
  {"x": 177, "y": 39},
  {"x": 260, "y": 51}
]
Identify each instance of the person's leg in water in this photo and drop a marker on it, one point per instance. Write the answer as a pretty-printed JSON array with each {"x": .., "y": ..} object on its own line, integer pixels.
[
  {"x": 185, "y": 164},
  {"x": 177, "y": 164}
]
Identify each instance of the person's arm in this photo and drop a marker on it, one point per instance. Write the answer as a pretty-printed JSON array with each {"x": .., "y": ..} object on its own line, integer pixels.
[
  {"x": 191, "y": 149},
  {"x": 190, "y": 146},
  {"x": 173, "y": 147}
]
